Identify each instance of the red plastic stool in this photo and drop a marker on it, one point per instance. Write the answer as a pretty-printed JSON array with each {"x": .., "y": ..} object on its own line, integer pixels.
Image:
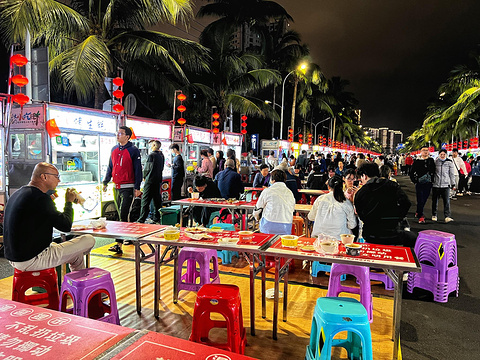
[
  {"x": 45, "y": 279},
  {"x": 297, "y": 226},
  {"x": 224, "y": 300}
]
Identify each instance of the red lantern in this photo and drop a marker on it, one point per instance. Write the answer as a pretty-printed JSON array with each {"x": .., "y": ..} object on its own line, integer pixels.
[
  {"x": 215, "y": 123},
  {"x": 181, "y": 97},
  {"x": 215, "y": 130},
  {"x": 21, "y": 99},
  {"x": 181, "y": 121},
  {"x": 216, "y": 115},
  {"x": 243, "y": 131},
  {"x": 118, "y": 107},
  {"x": 118, "y": 81},
  {"x": 244, "y": 117},
  {"x": 19, "y": 60},
  {"x": 118, "y": 94},
  {"x": 20, "y": 80},
  {"x": 181, "y": 108},
  {"x": 244, "y": 124}
]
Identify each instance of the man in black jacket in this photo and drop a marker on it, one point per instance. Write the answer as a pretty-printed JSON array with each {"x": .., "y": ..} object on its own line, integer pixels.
[
  {"x": 422, "y": 175},
  {"x": 178, "y": 172},
  {"x": 382, "y": 205},
  {"x": 208, "y": 190},
  {"x": 152, "y": 173}
]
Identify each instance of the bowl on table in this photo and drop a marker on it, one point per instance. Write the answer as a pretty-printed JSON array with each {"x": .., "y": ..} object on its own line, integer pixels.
[
  {"x": 171, "y": 234},
  {"x": 245, "y": 235},
  {"x": 289, "y": 240},
  {"x": 195, "y": 195},
  {"x": 347, "y": 238},
  {"x": 353, "y": 249}
]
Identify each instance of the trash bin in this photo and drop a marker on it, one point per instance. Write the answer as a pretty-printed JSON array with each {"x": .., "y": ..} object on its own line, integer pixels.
[{"x": 170, "y": 215}]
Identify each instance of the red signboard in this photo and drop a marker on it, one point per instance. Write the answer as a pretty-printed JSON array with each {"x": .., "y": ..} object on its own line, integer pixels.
[
  {"x": 158, "y": 346},
  {"x": 30, "y": 332}
]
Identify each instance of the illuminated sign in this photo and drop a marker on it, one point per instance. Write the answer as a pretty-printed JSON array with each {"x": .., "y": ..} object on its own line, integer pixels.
[
  {"x": 199, "y": 136},
  {"x": 235, "y": 140},
  {"x": 79, "y": 119},
  {"x": 33, "y": 117},
  {"x": 147, "y": 129}
]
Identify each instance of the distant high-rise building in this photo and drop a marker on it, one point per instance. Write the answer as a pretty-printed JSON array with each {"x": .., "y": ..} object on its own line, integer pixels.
[
  {"x": 245, "y": 38},
  {"x": 383, "y": 137}
]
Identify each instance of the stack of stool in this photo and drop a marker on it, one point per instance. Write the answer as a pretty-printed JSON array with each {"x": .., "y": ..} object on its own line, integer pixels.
[
  {"x": 85, "y": 288},
  {"x": 362, "y": 274},
  {"x": 192, "y": 256},
  {"x": 333, "y": 315},
  {"x": 317, "y": 266},
  {"x": 224, "y": 300},
  {"x": 225, "y": 255},
  {"x": 437, "y": 253},
  {"x": 45, "y": 279},
  {"x": 297, "y": 226}
]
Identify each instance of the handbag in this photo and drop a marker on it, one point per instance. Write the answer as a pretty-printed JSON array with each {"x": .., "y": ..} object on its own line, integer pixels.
[{"x": 257, "y": 213}]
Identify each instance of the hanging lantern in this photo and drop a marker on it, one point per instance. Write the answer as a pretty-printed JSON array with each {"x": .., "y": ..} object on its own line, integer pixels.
[
  {"x": 21, "y": 99},
  {"x": 244, "y": 124},
  {"x": 20, "y": 80},
  {"x": 244, "y": 131},
  {"x": 118, "y": 81},
  {"x": 118, "y": 94},
  {"x": 181, "y": 97},
  {"x": 181, "y": 108},
  {"x": 118, "y": 107},
  {"x": 181, "y": 121},
  {"x": 215, "y": 123},
  {"x": 244, "y": 117},
  {"x": 19, "y": 60},
  {"x": 216, "y": 115},
  {"x": 215, "y": 130}
]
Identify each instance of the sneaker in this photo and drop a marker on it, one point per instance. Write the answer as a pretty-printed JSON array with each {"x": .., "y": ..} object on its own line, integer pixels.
[
  {"x": 434, "y": 218},
  {"x": 460, "y": 194},
  {"x": 448, "y": 219},
  {"x": 421, "y": 220},
  {"x": 469, "y": 193},
  {"x": 127, "y": 242},
  {"x": 116, "y": 249}
]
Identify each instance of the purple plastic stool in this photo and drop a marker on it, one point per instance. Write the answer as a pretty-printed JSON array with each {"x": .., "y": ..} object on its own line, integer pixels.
[
  {"x": 437, "y": 254},
  {"x": 85, "y": 288},
  {"x": 192, "y": 256},
  {"x": 381, "y": 276},
  {"x": 362, "y": 273}
]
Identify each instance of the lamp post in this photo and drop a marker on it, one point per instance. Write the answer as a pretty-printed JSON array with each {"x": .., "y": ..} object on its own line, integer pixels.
[
  {"x": 301, "y": 67},
  {"x": 477, "y": 125},
  {"x": 319, "y": 124},
  {"x": 273, "y": 121}
]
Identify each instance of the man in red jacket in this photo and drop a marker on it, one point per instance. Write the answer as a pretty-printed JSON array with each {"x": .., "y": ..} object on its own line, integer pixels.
[{"x": 125, "y": 170}]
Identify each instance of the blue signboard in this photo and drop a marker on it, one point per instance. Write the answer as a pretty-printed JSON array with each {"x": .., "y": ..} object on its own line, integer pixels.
[{"x": 254, "y": 142}]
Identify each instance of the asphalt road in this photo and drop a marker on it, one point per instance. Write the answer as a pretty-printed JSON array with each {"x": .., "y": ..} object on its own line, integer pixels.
[{"x": 432, "y": 330}]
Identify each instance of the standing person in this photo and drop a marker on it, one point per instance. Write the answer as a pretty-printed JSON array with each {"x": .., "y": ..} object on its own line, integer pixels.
[
  {"x": 408, "y": 164},
  {"x": 207, "y": 167},
  {"x": 125, "y": 170},
  {"x": 31, "y": 215},
  {"x": 272, "y": 161},
  {"x": 460, "y": 168},
  {"x": 152, "y": 173},
  {"x": 302, "y": 160},
  {"x": 444, "y": 180},
  {"x": 231, "y": 155},
  {"x": 403, "y": 169},
  {"x": 422, "y": 175},
  {"x": 311, "y": 163},
  {"x": 212, "y": 157},
  {"x": 229, "y": 182},
  {"x": 178, "y": 172},
  {"x": 219, "y": 162}
]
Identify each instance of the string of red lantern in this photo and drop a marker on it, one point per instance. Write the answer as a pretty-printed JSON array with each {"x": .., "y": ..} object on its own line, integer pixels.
[
  {"x": 244, "y": 124},
  {"x": 290, "y": 134},
  {"x": 181, "y": 108},
  {"x": 118, "y": 93},
  {"x": 19, "y": 79},
  {"x": 215, "y": 122}
]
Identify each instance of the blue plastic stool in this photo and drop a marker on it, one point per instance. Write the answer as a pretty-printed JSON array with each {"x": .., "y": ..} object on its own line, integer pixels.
[
  {"x": 333, "y": 315},
  {"x": 318, "y": 266},
  {"x": 225, "y": 255}
]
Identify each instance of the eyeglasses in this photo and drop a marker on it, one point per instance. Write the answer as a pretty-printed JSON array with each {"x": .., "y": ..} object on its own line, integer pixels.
[
  {"x": 121, "y": 134},
  {"x": 56, "y": 175}
]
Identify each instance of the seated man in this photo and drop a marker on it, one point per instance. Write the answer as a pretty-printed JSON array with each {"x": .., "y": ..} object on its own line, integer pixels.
[
  {"x": 208, "y": 190},
  {"x": 382, "y": 205},
  {"x": 262, "y": 178},
  {"x": 229, "y": 181},
  {"x": 31, "y": 215},
  {"x": 317, "y": 180}
]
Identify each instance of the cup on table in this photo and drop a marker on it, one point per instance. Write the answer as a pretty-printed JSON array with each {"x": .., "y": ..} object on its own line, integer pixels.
[
  {"x": 171, "y": 234},
  {"x": 245, "y": 235},
  {"x": 329, "y": 246},
  {"x": 347, "y": 238},
  {"x": 195, "y": 195},
  {"x": 289, "y": 241},
  {"x": 353, "y": 249}
]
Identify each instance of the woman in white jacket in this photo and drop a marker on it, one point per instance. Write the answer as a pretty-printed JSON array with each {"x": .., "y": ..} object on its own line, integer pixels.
[
  {"x": 332, "y": 213},
  {"x": 278, "y": 205}
]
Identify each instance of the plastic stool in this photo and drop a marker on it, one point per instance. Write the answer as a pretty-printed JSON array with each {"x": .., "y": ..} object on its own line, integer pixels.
[
  {"x": 224, "y": 300},
  {"x": 437, "y": 254},
  {"x": 318, "y": 266},
  {"x": 85, "y": 288},
  {"x": 225, "y": 255},
  {"x": 297, "y": 226},
  {"x": 362, "y": 273},
  {"x": 45, "y": 279},
  {"x": 333, "y": 315},
  {"x": 192, "y": 256},
  {"x": 384, "y": 278}
]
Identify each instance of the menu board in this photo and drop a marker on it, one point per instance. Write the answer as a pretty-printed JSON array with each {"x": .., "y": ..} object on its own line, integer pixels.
[{"x": 30, "y": 332}]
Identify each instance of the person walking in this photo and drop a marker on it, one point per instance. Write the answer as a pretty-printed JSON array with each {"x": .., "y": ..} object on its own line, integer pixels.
[
  {"x": 444, "y": 180},
  {"x": 152, "y": 173},
  {"x": 125, "y": 170},
  {"x": 422, "y": 175},
  {"x": 178, "y": 172},
  {"x": 460, "y": 171}
]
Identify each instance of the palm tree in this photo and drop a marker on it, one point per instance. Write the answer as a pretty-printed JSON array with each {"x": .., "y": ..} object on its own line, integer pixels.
[{"x": 90, "y": 39}]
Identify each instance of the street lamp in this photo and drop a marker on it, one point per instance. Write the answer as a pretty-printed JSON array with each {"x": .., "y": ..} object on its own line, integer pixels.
[
  {"x": 319, "y": 124},
  {"x": 477, "y": 126},
  {"x": 301, "y": 67},
  {"x": 273, "y": 121}
]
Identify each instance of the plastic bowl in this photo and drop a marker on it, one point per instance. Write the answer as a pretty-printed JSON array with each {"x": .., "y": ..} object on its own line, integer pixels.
[
  {"x": 353, "y": 249},
  {"x": 347, "y": 238},
  {"x": 289, "y": 240},
  {"x": 171, "y": 234},
  {"x": 245, "y": 235}
]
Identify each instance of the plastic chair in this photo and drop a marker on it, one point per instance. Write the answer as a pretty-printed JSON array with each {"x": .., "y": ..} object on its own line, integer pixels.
[
  {"x": 297, "y": 226},
  {"x": 317, "y": 266},
  {"x": 437, "y": 254},
  {"x": 85, "y": 288},
  {"x": 362, "y": 273},
  {"x": 192, "y": 256},
  {"x": 45, "y": 279},
  {"x": 225, "y": 255},
  {"x": 224, "y": 300},
  {"x": 333, "y": 315}
]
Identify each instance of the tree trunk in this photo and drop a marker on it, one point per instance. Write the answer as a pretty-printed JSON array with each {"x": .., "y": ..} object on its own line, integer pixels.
[{"x": 292, "y": 124}]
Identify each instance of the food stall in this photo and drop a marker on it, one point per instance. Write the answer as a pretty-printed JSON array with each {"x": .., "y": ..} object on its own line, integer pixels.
[
  {"x": 279, "y": 147},
  {"x": 149, "y": 129},
  {"x": 198, "y": 139}
]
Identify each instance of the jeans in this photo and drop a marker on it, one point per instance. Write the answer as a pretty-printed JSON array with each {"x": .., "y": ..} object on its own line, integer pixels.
[
  {"x": 444, "y": 193},
  {"x": 123, "y": 201},
  {"x": 423, "y": 192}
]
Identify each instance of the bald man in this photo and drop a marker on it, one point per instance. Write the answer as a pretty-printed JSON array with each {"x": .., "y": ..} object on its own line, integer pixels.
[{"x": 31, "y": 215}]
